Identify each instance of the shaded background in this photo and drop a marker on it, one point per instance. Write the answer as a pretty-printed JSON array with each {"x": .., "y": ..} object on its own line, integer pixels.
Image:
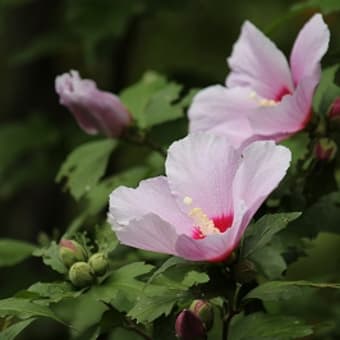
[{"x": 113, "y": 42}]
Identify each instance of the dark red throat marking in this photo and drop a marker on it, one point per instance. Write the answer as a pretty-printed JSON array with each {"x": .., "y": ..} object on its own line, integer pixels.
[
  {"x": 283, "y": 92},
  {"x": 221, "y": 223}
]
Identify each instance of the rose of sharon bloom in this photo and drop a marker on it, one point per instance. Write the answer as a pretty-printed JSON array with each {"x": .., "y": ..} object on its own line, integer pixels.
[
  {"x": 265, "y": 98},
  {"x": 201, "y": 209},
  {"x": 95, "y": 110}
]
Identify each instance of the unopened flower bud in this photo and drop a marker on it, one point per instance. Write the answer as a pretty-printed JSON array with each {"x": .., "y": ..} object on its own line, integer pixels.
[
  {"x": 334, "y": 111},
  {"x": 70, "y": 252},
  {"x": 80, "y": 274},
  {"x": 244, "y": 271},
  {"x": 95, "y": 110},
  {"x": 204, "y": 310},
  {"x": 189, "y": 326},
  {"x": 99, "y": 263},
  {"x": 325, "y": 149}
]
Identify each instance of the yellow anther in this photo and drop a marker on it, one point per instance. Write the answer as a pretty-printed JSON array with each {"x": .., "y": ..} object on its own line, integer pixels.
[
  {"x": 262, "y": 101},
  {"x": 187, "y": 200},
  {"x": 252, "y": 95},
  {"x": 201, "y": 220}
]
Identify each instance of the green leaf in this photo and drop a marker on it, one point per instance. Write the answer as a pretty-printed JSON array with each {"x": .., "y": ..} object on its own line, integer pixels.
[
  {"x": 50, "y": 256},
  {"x": 194, "y": 278},
  {"x": 326, "y": 6},
  {"x": 169, "y": 263},
  {"x": 327, "y": 90},
  {"x": 14, "y": 330},
  {"x": 284, "y": 290},
  {"x": 154, "y": 100},
  {"x": 262, "y": 232},
  {"x": 54, "y": 292},
  {"x": 298, "y": 145},
  {"x": 323, "y": 215},
  {"x": 97, "y": 198},
  {"x": 122, "y": 288},
  {"x": 23, "y": 309},
  {"x": 121, "y": 333},
  {"x": 105, "y": 238},
  {"x": 85, "y": 166},
  {"x": 155, "y": 302},
  {"x": 159, "y": 299},
  {"x": 269, "y": 262},
  {"x": 259, "y": 326},
  {"x": 14, "y": 251}
]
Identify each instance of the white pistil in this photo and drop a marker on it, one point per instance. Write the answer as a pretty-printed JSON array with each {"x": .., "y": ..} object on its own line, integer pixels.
[
  {"x": 203, "y": 222},
  {"x": 262, "y": 101}
]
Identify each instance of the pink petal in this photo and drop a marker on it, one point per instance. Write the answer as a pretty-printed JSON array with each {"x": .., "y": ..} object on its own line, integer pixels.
[
  {"x": 290, "y": 115},
  {"x": 213, "y": 248},
  {"x": 222, "y": 111},
  {"x": 202, "y": 167},
  {"x": 148, "y": 233},
  {"x": 257, "y": 63},
  {"x": 95, "y": 110},
  {"x": 309, "y": 47},
  {"x": 151, "y": 196},
  {"x": 263, "y": 166}
]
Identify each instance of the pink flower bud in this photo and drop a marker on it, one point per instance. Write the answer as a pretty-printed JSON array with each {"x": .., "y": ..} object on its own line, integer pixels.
[
  {"x": 334, "y": 111},
  {"x": 70, "y": 252},
  {"x": 325, "y": 149},
  {"x": 95, "y": 111},
  {"x": 189, "y": 326}
]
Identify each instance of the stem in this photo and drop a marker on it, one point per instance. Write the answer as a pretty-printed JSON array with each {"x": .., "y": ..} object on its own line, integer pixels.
[
  {"x": 141, "y": 139},
  {"x": 137, "y": 330},
  {"x": 232, "y": 311}
]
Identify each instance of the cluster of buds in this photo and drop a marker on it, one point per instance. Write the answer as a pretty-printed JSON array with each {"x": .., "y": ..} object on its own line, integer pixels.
[
  {"x": 82, "y": 270},
  {"x": 195, "y": 322}
]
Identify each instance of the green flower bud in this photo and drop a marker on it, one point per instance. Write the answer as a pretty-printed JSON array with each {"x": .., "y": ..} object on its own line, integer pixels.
[
  {"x": 325, "y": 149},
  {"x": 99, "y": 263},
  {"x": 80, "y": 274},
  {"x": 204, "y": 310},
  {"x": 70, "y": 252}
]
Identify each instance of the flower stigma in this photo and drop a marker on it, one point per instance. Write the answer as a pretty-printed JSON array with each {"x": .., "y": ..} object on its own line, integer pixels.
[{"x": 203, "y": 224}]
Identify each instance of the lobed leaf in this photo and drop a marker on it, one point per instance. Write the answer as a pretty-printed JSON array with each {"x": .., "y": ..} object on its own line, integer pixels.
[
  {"x": 260, "y": 326},
  {"x": 85, "y": 165},
  {"x": 13, "y": 252}
]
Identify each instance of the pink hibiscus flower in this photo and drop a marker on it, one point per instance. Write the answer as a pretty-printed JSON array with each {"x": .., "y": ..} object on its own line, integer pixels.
[
  {"x": 201, "y": 209},
  {"x": 264, "y": 97},
  {"x": 95, "y": 110}
]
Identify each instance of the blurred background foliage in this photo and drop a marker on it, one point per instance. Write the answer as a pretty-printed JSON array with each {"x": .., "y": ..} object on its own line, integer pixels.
[{"x": 113, "y": 42}]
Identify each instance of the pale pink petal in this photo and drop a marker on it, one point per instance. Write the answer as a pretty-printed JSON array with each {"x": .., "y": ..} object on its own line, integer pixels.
[
  {"x": 263, "y": 166},
  {"x": 202, "y": 166},
  {"x": 151, "y": 196},
  {"x": 309, "y": 47},
  {"x": 257, "y": 63},
  {"x": 214, "y": 248},
  {"x": 290, "y": 115},
  {"x": 94, "y": 110},
  {"x": 149, "y": 233},
  {"x": 222, "y": 111}
]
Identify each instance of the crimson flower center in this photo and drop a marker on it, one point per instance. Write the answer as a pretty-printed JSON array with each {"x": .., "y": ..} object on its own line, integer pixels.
[{"x": 203, "y": 225}]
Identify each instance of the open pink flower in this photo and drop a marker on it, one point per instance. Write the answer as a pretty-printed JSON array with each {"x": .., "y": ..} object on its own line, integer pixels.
[
  {"x": 265, "y": 98},
  {"x": 201, "y": 209},
  {"x": 95, "y": 110}
]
